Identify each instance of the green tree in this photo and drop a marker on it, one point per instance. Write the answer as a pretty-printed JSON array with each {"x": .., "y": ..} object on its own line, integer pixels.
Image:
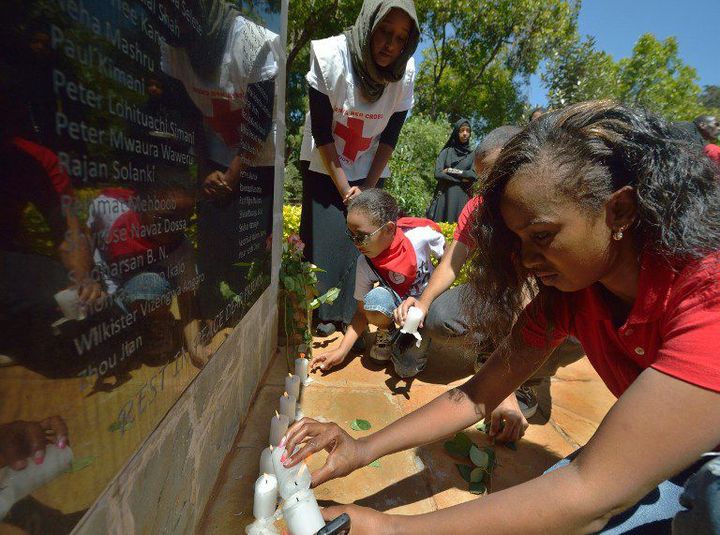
[
  {"x": 579, "y": 73},
  {"x": 481, "y": 54},
  {"x": 654, "y": 77},
  {"x": 710, "y": 97}
]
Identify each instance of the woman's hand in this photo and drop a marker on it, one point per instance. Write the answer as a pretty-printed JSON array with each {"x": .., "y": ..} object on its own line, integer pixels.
[
  {"x": 20, "y": 440},
  {"x": 507, "y": 423},
  {"x": 400, "y": 313},
  {"x": 351, "y": 193},
  {"x": 215, "y": 186},
  {"x": 346, "y": 453},
  {"x": 363, "y": 521},
  {"x": 328, "y": 360}
]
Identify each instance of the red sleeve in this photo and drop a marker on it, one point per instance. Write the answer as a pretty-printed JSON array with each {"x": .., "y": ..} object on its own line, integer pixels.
[
  {"x": 49, "y": 161},
  {"x": 533, "y": 323},
  {"x": 691, "y": 330},
  {"x": 713, "y": 152},
  {"x": 465, "y": 222}
]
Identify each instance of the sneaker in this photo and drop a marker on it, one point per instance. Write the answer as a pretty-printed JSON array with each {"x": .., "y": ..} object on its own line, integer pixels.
[
  {"x": 380, "y": 351},
  {"x": 408, "y": 359},
  {"x": 527, "y": 399}
]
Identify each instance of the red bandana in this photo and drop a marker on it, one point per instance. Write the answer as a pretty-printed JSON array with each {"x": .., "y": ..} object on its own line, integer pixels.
[{"x": 397, "y": 264}]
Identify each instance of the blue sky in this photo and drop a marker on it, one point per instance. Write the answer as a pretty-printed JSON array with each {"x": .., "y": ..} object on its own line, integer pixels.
[{"x": 617, "y": 24}]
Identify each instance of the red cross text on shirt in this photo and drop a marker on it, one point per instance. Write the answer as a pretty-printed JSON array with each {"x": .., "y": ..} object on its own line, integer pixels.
[
  {"x": 352, "y": 134},
  {"x": 225, "y": 121}
]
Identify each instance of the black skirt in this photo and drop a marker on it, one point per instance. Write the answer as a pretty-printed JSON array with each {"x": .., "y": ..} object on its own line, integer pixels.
[
  {"x": 322, "y": 229},
  {"x": 448, "y": 202}
]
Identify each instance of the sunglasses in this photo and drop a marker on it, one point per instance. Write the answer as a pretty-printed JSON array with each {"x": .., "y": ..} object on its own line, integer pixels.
[{"x": 362, "y": 239}]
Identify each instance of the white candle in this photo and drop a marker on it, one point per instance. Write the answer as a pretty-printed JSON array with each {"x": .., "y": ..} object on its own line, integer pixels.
[
  {"x": 414, "y": 316},
  {"x": 16, "y": 484},
  {"x": 290, "y": 480},
  {"x": 302, "y": 514},
  {"x": 262, "y": 527},
  {"x": 266, "y": 465},
  {"x": 287, "y": 406},
  {"x": 292, "y": 386},
  {"x": 301, "y": 367},
  {"x": 278, "y": 427},
  {"x": 266, "y": 492}
]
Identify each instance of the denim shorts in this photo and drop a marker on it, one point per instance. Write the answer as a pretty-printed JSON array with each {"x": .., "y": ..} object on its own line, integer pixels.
[{"x": 381, "y": 300}]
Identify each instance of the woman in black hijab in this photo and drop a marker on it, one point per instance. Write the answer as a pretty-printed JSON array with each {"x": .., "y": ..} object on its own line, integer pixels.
[{"x": 455, "y": 175}]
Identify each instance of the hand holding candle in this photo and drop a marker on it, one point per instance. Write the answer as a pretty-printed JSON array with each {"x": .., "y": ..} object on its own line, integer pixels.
[
  {"x": 290, "y": 480},
  {"x": 414, "y": 317}
]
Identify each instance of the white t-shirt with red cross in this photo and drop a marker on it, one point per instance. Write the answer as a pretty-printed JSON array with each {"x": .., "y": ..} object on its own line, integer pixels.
[
  {"x": 427, "y": 242},
  {"x": 357, "y": 123},
  {"x": 250, "y": 56}
]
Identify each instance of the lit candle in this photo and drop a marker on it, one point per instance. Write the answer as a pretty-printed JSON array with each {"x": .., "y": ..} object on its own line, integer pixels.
[
  {"x": 301, "y": 368},
  {"x": 288, "y": 405},
  {"x": 266, "y": 492},
  {"x": 266, "y": 465},
  {"x": 302, "y": 514},
  {"x": 292, "y": 385},
  {"x": 290, "y": 480},
  {"x": 278, "y": 427}
]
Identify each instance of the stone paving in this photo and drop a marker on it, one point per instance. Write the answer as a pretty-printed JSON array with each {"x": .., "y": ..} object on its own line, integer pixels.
[{"x": 416, "y": 481}]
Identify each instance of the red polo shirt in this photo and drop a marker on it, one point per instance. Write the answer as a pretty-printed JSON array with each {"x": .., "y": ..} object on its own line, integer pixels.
[
  {"x": 712, "y": 151},
  {"x": 466, "y": 221},
  {"x": 674, "y": 325}
]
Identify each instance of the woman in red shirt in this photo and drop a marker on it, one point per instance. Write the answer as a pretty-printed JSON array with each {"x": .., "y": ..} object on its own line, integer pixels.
[{"x": 614, "y": 225}]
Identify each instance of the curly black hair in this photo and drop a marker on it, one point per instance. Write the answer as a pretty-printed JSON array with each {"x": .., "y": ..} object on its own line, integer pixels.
[{"x": 597, "y": 147}]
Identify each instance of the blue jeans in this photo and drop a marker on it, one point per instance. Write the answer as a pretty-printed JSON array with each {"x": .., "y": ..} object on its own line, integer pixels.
[
  {"x": 686, "y": 504},
  {"x": 407, "y": 358}
]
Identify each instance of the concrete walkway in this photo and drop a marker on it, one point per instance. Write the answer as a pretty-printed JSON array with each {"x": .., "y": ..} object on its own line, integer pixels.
[{"x": 414, "y": 481}]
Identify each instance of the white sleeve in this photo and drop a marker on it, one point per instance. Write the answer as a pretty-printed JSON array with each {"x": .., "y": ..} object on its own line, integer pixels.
[
  {"x": 407, "y": 99},
  {"x": 436, "y": 241},
  {"x": 364, "y": 279}
]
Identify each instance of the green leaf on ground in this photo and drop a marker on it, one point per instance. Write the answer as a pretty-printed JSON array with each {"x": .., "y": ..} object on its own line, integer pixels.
[
  {"x": 477, "y": 475},
  {"x": 465, "y": 471},
  {"x": 226, "y": 291},
  {"x": 360, "y": 425},
  {"x": 477, "y": 488},
  {"x": 375, "y": 464},
  {"x": 117, "y": 426},
  {"x": 459, "y": 445},
  {"x": 80, "y": 463},
  {"x": 479, "y": 457}
]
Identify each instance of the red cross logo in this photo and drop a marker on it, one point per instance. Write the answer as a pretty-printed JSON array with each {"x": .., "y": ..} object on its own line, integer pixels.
[
  {"x": 225, "y": 121},
  {"x": 352, "y": 134}
]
